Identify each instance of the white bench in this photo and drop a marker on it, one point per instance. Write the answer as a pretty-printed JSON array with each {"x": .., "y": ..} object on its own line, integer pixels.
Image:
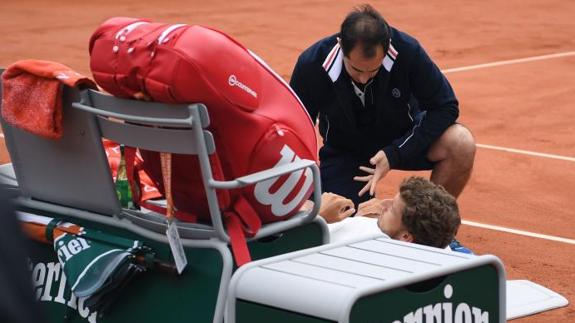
[{"x": 370, "y": 280}]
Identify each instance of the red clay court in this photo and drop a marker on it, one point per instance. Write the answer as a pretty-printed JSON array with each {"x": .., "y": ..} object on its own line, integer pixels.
[{"x": 512, "y": 64}]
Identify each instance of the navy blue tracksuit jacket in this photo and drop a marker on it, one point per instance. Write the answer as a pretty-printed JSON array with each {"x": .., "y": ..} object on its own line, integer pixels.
[{"x": 387, "y": 116}]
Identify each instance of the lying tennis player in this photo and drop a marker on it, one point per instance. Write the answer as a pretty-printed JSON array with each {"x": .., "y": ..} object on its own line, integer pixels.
[{"x": 422, "y": 212}]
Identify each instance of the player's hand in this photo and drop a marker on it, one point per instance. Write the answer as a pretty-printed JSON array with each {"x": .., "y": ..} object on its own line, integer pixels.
[
  {"x": 335, "y": 208},
  {"x": 381, "y": 168},
  {"x": 373, "y": 208},
  {"x": 370, "y": 209}
]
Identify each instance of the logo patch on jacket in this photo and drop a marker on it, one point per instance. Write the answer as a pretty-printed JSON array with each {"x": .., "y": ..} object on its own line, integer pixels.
[{"x": 395, "y": 93}]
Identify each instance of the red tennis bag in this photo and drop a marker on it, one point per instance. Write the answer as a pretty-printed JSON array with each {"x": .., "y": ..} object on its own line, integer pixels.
[{"x": 256, "y": 119}]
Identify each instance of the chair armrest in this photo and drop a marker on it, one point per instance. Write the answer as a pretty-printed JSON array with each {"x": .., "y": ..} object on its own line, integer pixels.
[
  {"x": 263, "y": 175},
  {"x": 269, "y": 174}
]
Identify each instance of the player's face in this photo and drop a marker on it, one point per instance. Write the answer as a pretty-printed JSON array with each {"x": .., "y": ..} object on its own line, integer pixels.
[
  {"x": 390, "y": 219},
  {"x": 360, "y": 68}
]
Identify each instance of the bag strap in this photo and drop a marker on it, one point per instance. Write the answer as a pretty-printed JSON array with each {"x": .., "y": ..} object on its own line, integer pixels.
[
  {"x": 166, "y": 160},
  {"x": 250, "y": 219},
  {"x": 181, "y": 215},
  {"x": 237, "y": 239},
  {"x": 241, "y": 220},
  {"x": 130, "y": 157}
]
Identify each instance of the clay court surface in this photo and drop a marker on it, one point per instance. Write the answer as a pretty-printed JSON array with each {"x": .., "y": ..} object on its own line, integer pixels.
[{"x": 527, "y": 106}]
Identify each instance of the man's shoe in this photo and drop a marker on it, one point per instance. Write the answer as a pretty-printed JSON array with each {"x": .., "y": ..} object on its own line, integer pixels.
[{"x": 458, "y": 247}]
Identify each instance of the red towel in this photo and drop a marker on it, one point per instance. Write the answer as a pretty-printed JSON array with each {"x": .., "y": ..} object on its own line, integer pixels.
[{"x": 32, "y": 98}]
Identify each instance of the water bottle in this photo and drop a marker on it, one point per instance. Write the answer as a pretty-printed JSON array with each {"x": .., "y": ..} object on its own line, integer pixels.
[{"x": 122, "y": 184}]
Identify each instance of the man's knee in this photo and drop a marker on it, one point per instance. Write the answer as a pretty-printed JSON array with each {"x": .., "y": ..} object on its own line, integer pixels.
[
  {"x": 462, "y": 139},
  {"x": 456, "y": 142}
]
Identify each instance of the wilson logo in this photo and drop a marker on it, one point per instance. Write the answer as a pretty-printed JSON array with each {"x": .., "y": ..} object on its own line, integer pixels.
[
  {"x": 446, "y": 312},
  {"x": 277, "y": 199},
  {"x": 233, "y": 81}
]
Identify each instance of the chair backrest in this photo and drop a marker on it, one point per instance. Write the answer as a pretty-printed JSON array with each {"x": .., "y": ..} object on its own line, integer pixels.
[
  {"x": 173, "y": 128},
  {"x": 149, "y": 125},
  {"x": 72, "y": 171}
]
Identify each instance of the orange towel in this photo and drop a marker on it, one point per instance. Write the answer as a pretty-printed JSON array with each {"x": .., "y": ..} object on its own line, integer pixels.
[{"x": 32, "y": 98}]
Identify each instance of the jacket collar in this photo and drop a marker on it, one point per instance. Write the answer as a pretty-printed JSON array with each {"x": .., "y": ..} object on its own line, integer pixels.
[{"x": 333, "y": 63}]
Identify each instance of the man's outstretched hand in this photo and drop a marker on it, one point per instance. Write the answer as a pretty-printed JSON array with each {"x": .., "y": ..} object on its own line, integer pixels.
[
  {"x": 380, "y": 169},
  {"x": 335, "y": 208}
]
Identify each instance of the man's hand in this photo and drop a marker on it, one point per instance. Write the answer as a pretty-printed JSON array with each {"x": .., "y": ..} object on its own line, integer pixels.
[
  {"x": 335, "y": 208},
  {"x": 375, "y": 174},
  {"x": 370, "y": 209},
  {"x": 373, "y": 208}
]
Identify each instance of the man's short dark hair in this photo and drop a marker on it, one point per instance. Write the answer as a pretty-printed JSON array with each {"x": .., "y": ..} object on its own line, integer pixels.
[
  {"x": 366, "y": 27},
  {"x": 431, "y": 214}
]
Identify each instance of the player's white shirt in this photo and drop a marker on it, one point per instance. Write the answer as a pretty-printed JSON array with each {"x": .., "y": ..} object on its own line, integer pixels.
[{"x": 355, "y": 228}]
